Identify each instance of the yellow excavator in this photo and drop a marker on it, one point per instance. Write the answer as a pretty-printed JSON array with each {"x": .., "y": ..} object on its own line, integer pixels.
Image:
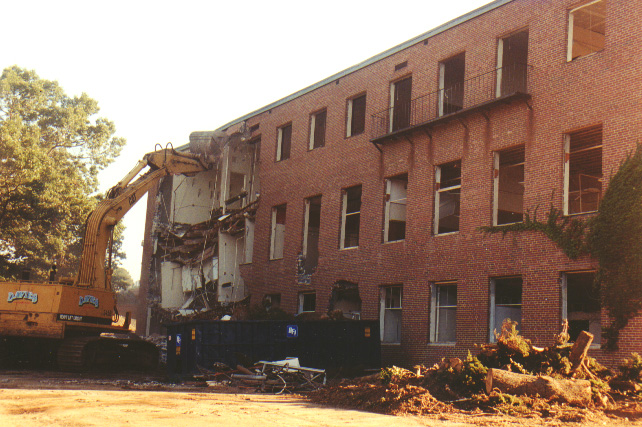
[{"x": 74, "y": 319}]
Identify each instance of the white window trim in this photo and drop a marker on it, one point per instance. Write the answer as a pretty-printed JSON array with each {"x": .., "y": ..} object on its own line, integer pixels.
[
  {"x": 496, "y": 160},
  {"x": 391, "y": 112},
  {"x": 442, "y": 84},
  {"x": 500, "y": 64},
  {"x": 349, "y": 118},
  {"x": 567, "y": 170},
  {"x": 279, "y": 141},
  {"x": 438, "y": 192},
  {"x": 571, "y": 17},
  {"x": 313, "y": 121},
  {"x": 434, "y": 315}
]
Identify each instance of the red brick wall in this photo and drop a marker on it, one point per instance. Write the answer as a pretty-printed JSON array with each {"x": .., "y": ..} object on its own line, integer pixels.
[{"x": 602, "y": 88}]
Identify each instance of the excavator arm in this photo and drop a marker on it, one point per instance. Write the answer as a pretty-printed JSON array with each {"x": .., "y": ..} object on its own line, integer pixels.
[{"x": 93, "y": 271}]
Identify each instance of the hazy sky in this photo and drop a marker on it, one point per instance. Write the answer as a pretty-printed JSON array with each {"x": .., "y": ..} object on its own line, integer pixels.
[{"x": 161, "y": 70}]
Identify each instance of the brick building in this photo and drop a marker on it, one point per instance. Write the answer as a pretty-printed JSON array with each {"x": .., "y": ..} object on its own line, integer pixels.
[{"x": 376, "y": 180}]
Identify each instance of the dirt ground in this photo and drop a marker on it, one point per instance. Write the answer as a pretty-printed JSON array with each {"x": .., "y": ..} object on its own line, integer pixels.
[{"x": 36, "y": 398}]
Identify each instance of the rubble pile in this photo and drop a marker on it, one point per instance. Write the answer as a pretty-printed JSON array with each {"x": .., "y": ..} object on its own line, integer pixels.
[{"x": 510, "y": 376}]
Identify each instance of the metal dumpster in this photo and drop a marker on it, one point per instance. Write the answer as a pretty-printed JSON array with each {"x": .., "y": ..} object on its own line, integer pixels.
[{"x": 326, "y": 344}]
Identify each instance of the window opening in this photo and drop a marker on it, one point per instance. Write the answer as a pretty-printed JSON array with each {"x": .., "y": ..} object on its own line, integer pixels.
[
  {"x": 586, "y": 29},
  {"x": 356, "y": 116},
  {"x": 401, "y": 101},
  {"x": 447, "y": 197},
  {"x": 512, "y": 63},
  {"x": 505, "y": 302},
  {"x": 451, "y": 84},
  {"x": 351, "y": 217},
  {"x": 278, "y": 232},
  {"x": 395, "y": 214},
  {"x": 443, "y": 298},
  {"x": 271, "y": 301},
  {"x": 391, "y": 314},
  {"x": 317, "y": 129},
  {"x": 581, "y": 304},
  {"x": 312, "y": 224},
  {"x": 508, "y": 186},
  {"x": 307, "y": 302},
  {"x": 284, "y": 143},
  {"x": 583, "y": 170},
  {"x": 236, "y": 188}
]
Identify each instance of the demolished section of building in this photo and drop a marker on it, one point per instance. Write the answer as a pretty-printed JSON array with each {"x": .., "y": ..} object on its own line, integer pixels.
[{"x": 203, "y": 228}]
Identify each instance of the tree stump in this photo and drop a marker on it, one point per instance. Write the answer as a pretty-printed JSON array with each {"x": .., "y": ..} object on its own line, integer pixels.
[
  {"x": 580, "y": 349},
  {"x": 576, "y": 392}
]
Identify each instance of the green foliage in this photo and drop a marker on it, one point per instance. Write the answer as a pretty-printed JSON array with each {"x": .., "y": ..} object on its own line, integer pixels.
[
  {"x": 568, "y": 233},
  {"x": 393, "y": 374},
  {"x": 631, "y": 370},
  {"x": 472, "y": 375},
  {"x": 615, "y": 242},
  {"x": 51, "y": 150},
  {"x": 121, "y": 280}
]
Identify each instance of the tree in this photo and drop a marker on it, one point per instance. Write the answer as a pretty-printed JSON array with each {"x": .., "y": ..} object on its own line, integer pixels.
[
  {"x": 51, "y": 149},
  {"x": 121, "y": 280}
]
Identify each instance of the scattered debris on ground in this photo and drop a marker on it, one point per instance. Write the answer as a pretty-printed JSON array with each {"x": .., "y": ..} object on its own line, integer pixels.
[{"x": 510, "y": 376}]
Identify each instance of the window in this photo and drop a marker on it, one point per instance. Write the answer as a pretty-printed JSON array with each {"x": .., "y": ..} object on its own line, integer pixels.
[
  {"x": 284, "y": 143},
  {"x": 447, "y": 195},
  {"x": 236, "y": 189},
  {"x": 312, "y": 225},
  {"x": 508, "y": 186},
  {"x": 307, "y": 302},
  {"x": 586, "y": 29},
  {"x": 317, "y": 129},
  {"x": 356, "y": 116},
  {"x": 350, "y": 217},
  {"x": 278, "y": 232},
  {"x": 581, "y": 304},
  {"x": 271, "y": 301},
  {"x": 395, "y": 214},
  {"x": 583, "y": 170},
  {"x": 505, "y": 302},
  {"x": 400, "y": 100},
  {"x": 391, "y": 314},
  {"x": 451, "y": 84},
  {"x": 443, "y": 312},
  {"x": 512, "y": 60}
]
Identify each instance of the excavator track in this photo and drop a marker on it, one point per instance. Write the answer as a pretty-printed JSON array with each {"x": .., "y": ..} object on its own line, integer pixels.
[{"x": 99, "y": 353}]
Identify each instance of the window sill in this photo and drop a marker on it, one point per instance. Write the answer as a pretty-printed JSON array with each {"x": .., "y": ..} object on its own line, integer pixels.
[
  {"x": 349, "y": 248},
  {"x": 441, "y": 344},
  {"x": 584, "y": 56},
  {"x": 581, "y": 213},
  {"x": 391, "y": 344},
  {"x": 276, "y": 259},
  {"x": 394, "y": 241},
  {"x": 446, "y": 234},
  {"x": 508, "y": 223}
]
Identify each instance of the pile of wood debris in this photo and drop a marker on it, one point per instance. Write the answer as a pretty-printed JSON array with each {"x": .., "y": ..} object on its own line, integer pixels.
[{"x": 510, "y": 376}]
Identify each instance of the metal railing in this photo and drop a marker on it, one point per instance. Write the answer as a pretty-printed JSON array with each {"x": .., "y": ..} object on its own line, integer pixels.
[{"x": 466, "y": 94}]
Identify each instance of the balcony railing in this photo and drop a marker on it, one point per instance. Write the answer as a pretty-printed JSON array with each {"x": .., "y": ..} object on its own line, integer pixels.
[{"x": 498, "y": 84}]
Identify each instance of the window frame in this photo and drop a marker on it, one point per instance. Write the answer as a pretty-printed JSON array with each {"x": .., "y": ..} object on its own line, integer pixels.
[
  {"x": 435, "y": 307},
  {"x": 492, "y": 293},
  {"x": 571, "y": 32},
  {"x": 567, "y": 168},
  {"x": 301, "y": 305},
  {"x": 279, "y": 143},
  {"x": 384, "y": 308},
  {"x": 496, "y": 182},
  {"x": 597, "y": 340},
  {"x": 313, "y": 144},
  {"x": 438, "y": 191},
  {"x": 389, "y": 203},
  {"x": 273, "y": 229},
  {"x": 345, "y": 214},
  {"x": 350, "y": 117}
]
